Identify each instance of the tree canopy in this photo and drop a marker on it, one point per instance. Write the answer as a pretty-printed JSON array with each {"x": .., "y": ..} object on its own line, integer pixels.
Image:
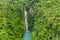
[{"x": 46, "y": 19}]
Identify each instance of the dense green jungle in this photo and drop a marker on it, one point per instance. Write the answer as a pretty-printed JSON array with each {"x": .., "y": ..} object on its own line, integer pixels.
[{"x": 43, "y": 25}]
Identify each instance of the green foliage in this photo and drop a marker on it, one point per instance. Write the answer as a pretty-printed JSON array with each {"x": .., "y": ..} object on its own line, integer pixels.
[
  {"x": 11, "y": 20},
  {"x": 46, "y": 20}
]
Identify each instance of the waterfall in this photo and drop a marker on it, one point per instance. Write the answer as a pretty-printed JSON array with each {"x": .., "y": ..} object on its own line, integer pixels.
[{"x": 26, "y": 22}]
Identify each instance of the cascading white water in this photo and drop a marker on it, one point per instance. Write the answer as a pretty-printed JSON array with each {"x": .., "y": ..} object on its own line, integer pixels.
[{"x": 26, "y": 22}]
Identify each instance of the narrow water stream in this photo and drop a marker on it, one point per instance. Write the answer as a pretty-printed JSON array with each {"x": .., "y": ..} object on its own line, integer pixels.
[{"x": 26, "y": 22}]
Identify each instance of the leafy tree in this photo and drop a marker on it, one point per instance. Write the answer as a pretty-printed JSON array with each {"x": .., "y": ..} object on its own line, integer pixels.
[
  {"x": 44, "y": 25},
  {"x": 11, "y": 20}
]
